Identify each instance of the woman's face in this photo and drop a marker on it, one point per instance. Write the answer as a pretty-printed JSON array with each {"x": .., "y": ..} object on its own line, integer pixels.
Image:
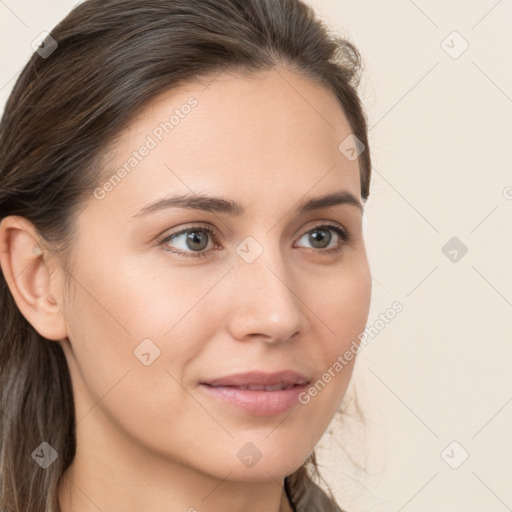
[{"x": 266, "y": 288}]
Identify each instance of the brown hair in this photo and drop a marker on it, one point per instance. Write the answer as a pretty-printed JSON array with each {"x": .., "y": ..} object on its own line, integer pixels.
[{"x": 113, "y": 57}]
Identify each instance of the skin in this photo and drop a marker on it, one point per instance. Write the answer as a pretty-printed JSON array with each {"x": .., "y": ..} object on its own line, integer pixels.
[{"x": 148, "y": 437}]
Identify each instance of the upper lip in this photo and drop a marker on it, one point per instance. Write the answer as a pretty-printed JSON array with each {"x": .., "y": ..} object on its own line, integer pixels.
[{"x": 285, "y": 377}]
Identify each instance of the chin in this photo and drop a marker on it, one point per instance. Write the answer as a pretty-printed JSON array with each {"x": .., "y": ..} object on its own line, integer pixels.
[{"x": 245, "y": 464}]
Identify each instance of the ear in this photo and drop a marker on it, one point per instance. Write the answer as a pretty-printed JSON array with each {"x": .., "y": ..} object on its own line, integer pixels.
[{"x": 34, "y": 280}]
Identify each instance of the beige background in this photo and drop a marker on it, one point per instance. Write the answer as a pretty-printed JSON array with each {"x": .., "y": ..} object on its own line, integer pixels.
[{"x": 440, "y": 134}]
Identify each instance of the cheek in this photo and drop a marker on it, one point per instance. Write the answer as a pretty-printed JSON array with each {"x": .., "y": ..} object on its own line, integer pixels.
[
  {"x": 342, "y": 317},
  {"x": 122, "y": 316},
  {"x": 107, "y": 319},
  {"x": 344, "y": 307},
  {"x": 110, "y": 381}
]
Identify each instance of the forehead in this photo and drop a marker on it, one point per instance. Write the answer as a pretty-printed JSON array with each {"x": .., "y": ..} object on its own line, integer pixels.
[{"x": 269, "y": 134}]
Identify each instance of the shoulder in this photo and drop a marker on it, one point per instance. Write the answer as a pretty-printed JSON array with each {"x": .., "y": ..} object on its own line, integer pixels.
[{"x": 313, "y": 499}]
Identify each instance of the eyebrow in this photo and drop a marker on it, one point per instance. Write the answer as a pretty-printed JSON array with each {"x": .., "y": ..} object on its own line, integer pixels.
[{"x": 220, "y": 205}]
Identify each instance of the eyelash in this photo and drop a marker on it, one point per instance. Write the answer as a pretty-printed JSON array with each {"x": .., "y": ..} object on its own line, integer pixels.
[{"x": 341, "y": 232}]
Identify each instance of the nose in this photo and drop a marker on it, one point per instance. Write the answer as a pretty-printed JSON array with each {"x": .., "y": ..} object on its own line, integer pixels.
[{"x": 266, "y": 304}]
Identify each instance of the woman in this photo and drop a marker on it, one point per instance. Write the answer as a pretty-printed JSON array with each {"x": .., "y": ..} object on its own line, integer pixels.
[{"x": 182, "y": 191}]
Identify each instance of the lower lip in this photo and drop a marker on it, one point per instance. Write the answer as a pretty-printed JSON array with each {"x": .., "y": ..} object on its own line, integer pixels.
[{"x": 258, "y": 403}]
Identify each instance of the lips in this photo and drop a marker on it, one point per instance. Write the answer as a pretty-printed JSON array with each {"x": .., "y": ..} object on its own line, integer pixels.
[
  {"x": 258, "y": 393},
  {"x": 260, "y": 381}
]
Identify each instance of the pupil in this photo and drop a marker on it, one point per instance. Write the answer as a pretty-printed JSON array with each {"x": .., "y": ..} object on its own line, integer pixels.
[
  {"x": 319, "y": 235},
  {"x": 195, "y": 239}
]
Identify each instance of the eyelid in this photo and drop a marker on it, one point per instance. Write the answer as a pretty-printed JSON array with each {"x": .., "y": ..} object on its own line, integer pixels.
[{"x": 191, "y": 227}]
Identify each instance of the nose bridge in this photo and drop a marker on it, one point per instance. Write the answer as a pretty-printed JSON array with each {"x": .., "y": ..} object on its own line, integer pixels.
[{"x": 266, "y": 302}]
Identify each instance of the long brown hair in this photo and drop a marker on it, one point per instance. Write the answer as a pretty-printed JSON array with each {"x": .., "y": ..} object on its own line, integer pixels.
[{"x": 110, "y": 59}]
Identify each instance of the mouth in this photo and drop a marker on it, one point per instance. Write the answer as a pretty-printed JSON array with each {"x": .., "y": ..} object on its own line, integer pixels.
[
  {"x": 259, "y": 381},
  {"x": 258, "y": 393},
  {"x": 275, "y": 387}
]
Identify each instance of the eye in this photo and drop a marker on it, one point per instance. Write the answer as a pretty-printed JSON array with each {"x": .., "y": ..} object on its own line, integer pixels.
[
  {"x": 320, "y": 237},
  {"x": 194, "y": 240}
]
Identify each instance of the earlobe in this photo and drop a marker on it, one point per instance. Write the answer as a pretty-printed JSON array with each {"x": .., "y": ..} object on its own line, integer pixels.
[{"x": 28, "y": 272}]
